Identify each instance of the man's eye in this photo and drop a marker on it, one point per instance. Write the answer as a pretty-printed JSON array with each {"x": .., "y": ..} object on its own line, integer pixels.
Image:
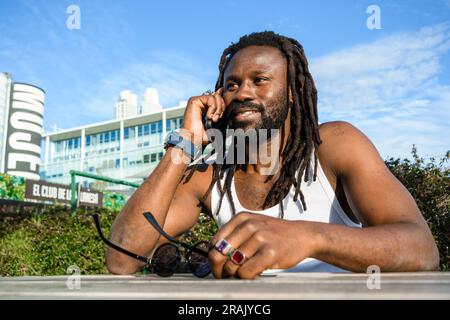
[
  {"x": 259, "y": 80},
  {"x": 231, "y": 86}
]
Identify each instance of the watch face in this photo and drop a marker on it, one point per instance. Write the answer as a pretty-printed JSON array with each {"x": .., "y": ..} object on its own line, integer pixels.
[{"x": 173, "y": 138}]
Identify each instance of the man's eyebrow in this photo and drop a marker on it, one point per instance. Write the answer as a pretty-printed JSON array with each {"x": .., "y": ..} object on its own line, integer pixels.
[{"x": 233, "y": 77}]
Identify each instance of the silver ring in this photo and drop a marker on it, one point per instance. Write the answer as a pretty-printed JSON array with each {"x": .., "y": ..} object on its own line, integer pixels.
[{"x": 224, "y": 247}]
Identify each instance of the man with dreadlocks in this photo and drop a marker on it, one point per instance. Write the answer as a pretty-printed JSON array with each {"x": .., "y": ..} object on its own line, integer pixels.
[{"x": 349, "y": 213}]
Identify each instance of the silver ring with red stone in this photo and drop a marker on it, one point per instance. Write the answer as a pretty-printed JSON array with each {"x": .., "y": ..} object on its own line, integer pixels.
[
  {"x": 237, "y": 257},
  {"x": 224, "y": 247}
]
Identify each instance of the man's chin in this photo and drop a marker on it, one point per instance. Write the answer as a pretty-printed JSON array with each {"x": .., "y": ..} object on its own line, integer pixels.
[{"x": 245, "y": 125}]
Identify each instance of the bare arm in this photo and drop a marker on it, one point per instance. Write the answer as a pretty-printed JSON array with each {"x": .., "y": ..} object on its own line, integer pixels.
[
  {"x": 394, "y": 236},
  {"x": 166, "y": 199},
  {"x": 175, "y": 205}
]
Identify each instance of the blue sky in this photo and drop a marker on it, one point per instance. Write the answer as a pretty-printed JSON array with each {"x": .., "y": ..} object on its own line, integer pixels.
[{"x": 392, "y": 83}]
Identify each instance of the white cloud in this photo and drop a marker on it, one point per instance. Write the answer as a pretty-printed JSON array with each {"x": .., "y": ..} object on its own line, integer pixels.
[
  {"x": 391, "y": 90},
  {"x": 175, "y": 78}
]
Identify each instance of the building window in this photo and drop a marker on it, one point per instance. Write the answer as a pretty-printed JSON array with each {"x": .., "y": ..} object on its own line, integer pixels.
[
  {"x": 159, "y": 126},
  {"x": 117, "y": 163},
  {"x": 153, "y": 157},
  {"x": 113, "y": 135},
  {"x": 88, "y": 141},
  {"x": 153, "y": 128},
  {"x": 146, "y": 158},
  {"x": 107, "y": 137},
  {"x": 140, "y": 131},
  {"x": 146, "y": 130},
  {"x": 160, "y": 155}
]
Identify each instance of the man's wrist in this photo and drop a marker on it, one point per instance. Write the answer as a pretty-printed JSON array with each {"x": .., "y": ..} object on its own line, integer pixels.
[
  {"x": 315, "y": 236},
  {"x": 178, "y": 156},
  {"x": 185, "y": 141},
  {"x": 191, "y": 137}
]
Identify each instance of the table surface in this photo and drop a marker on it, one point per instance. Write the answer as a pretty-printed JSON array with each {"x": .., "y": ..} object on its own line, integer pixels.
[{"x": 432, "y": 285}]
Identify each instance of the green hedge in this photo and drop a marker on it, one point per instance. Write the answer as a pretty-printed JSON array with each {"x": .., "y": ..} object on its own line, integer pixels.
[
  {"x": 48, "y": 243},
  {"x": 429, "y": 184}
]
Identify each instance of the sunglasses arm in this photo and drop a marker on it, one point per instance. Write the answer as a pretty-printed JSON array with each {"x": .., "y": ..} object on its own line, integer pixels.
[{"x": 150, "y": 218}]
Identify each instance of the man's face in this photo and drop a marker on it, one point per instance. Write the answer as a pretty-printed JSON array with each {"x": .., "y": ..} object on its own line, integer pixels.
[{"x": 255, "y": 89}]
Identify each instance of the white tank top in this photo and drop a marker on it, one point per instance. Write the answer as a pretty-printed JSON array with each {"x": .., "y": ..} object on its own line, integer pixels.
[{"x": 322, "y": 206}]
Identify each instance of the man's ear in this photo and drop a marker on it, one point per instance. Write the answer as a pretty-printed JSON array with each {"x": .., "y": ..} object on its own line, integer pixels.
[{"x": 291, "y": 99}]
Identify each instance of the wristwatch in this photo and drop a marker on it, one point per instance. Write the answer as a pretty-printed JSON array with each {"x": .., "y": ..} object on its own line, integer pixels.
[{"x": 176, "y": 140}]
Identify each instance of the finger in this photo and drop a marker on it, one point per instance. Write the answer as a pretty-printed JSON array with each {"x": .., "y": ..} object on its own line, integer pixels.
[
  {"x": 248, "y": 248},
  {"x": 229, "y": 227},
  {"x": 220, "y": 104},
  {"x": 239, "y": 237},
  {"x": 217, "y": 260},
  {"x": 262, "y": 260},
  {"x": 211, "y": 107}
]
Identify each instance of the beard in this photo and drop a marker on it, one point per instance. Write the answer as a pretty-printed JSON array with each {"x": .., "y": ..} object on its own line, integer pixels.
[{"x": 272, "y": 116}]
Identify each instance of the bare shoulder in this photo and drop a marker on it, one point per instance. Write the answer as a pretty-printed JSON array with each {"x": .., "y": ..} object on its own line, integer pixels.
[
  {"x": 364, "y": 176},
  {"x": 344, "y": 147}
]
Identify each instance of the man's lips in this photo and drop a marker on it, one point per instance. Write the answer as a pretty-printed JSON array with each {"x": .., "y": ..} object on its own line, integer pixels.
[
  {"x": 243, "y": 110},
  {"x": 245, "y": 113}
]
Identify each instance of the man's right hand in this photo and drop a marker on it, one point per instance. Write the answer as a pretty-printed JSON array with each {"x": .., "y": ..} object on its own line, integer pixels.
[{"x": 213, "y": 105}]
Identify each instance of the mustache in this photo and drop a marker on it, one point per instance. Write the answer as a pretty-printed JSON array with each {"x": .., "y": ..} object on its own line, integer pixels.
[{"x": 235, "y": 106}]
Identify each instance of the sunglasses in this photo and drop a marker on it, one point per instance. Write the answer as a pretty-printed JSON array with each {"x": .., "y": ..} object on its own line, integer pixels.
[{"x": 166, "y": 259}]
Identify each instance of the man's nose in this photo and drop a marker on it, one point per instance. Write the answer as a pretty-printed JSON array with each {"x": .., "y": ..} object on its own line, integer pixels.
[{"x": 244, "y": 93}]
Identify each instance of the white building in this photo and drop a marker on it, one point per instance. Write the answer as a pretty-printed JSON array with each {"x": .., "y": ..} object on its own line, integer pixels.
[
  {"x": 151, "y": 101},
  {"x": 125, "y": 148},
  {"x": 21, "y": 127},
  {"x": 127, "y": 105}
]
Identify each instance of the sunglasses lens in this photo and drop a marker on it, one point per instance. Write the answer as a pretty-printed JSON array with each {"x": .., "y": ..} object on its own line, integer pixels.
[
  {"x": 199, "y": 264},
  {"x": 166, "y": 260}
]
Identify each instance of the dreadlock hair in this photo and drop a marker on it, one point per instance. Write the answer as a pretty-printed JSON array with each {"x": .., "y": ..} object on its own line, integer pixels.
[{"x": 303, "y": 138}]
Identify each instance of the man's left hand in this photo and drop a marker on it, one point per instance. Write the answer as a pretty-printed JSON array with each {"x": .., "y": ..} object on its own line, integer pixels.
[{"x": 266, "y": 242}]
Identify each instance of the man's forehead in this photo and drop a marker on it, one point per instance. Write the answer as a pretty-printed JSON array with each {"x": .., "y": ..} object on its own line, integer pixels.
[{"x": 261, "y": 58}]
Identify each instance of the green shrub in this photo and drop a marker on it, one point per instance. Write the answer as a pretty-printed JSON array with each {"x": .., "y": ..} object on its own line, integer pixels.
[
  {"x": 429, "y": 184},
  {"x": 48, "y": 243},
  {"x": 12, "y": 187},
  {"x": 113, "y": 200}
]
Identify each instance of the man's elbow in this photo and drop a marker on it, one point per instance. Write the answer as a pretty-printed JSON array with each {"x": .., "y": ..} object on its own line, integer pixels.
[
  {"x": 433, "y": 262},
  {"x": 430, "y": 259},
  {"x": 120, "y": 267}
]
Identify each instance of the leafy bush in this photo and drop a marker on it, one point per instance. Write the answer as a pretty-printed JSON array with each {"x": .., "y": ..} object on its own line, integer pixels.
[
  {"x": 48, "y": 243},
  {"x": 429, "y": 184},
  {"x": 113, "y": 200},
  {"x": 11, "y": 187}
]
